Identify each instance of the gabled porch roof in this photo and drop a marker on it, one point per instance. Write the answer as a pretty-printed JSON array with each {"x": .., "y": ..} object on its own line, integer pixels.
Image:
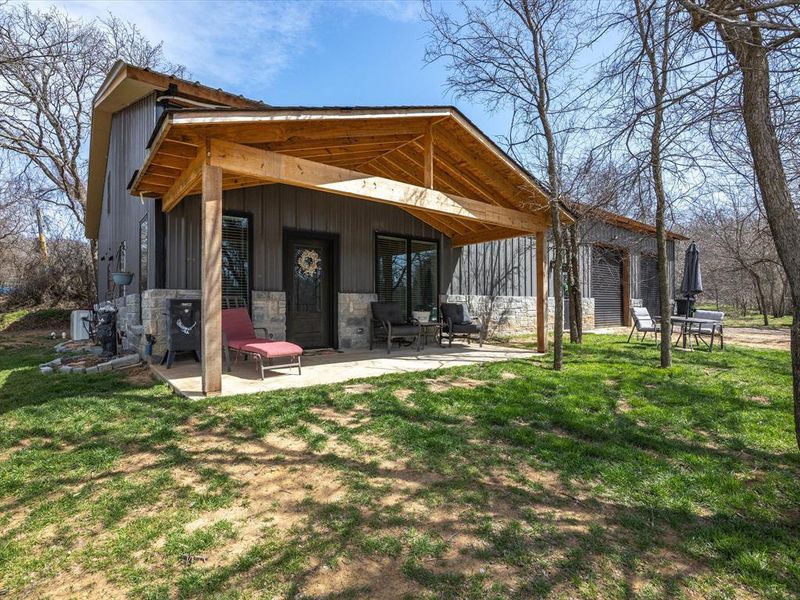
[{"x": 429, "y": 161}]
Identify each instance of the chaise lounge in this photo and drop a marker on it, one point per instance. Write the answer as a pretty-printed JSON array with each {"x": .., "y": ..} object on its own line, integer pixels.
[{"x": 239, "y": 335}]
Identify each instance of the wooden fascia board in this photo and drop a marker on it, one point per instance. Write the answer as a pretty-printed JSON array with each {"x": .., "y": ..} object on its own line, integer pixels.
[{"x": 282, "y": 168}]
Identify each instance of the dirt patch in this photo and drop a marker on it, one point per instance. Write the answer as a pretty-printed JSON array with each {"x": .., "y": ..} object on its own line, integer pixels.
[
  {"x": 444, "y": 383},
  {"x": 140, "y": 376},
  {"x": 507, "y": 375},
  {"x": 78, "y": 583},
  {"x": 403, "y": 394},
  {"x": 623, "y": 406},
  {"x": 777, "y": 339},
  {"x": 349, "y": 418},
  {"x": 761, "y": 400},
  {"x": 358, "y": 388}
]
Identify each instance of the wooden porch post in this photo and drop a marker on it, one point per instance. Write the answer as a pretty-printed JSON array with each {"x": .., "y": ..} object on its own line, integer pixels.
[
  {"x": 541, "y": 291},
  {"x": 211, "y": 279}
]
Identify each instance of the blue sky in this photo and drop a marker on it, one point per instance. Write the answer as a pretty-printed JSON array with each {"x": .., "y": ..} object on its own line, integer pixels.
[{"x": 299, "y": 53}]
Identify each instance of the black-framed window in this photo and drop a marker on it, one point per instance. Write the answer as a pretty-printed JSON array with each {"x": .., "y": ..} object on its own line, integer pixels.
[
  {"x": 407, "y": 272},
  {"x": 236, "y": 248}
]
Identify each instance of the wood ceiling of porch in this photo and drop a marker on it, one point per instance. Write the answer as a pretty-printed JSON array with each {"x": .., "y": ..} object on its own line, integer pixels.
[{"x": 393, "y": 147}]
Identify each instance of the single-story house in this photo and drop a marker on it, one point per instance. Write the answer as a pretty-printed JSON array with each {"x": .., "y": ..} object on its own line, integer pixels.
[{"x": 201, "y": 193}]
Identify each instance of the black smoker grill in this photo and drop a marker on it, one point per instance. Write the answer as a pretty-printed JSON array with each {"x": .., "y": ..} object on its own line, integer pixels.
[{"x": 183, "y": 329}]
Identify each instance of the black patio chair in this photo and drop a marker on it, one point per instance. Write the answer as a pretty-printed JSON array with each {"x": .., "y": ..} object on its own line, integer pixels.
[
  {"x": 457, "y": 323},
  {"x": 388, "y": 324}
]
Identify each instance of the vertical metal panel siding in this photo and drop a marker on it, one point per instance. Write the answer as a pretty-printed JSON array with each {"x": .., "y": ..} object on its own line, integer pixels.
[
  {"x": 275, "y": 207},
  {"x": 130, "y": 130},
  {"x": 607, "y": 267},
  {"x": 500, "y": 268}
]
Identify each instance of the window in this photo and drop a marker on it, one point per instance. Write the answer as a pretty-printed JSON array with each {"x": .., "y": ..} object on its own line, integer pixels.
[
  {"x": 144, "y": 244},
  {"x": 406, "y": 272},
  {"x": 235, "y": 261}
]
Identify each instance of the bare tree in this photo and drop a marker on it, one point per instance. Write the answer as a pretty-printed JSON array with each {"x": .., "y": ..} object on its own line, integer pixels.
[
  {"x": 520, "y": 54},
  {"x": 50, "y": 68},
  {"x": 758, "y": 36},
  {"x": 649, "y": 89}
]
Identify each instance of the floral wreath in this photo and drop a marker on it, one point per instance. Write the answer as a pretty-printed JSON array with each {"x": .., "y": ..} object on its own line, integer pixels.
[{"x": 308, "y": 262}]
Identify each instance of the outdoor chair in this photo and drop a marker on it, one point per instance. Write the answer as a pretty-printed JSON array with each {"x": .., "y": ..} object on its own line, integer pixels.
[
  {"x": 643, "y": 323},
  {"x": 389, "y": 324},
  {"x": 457, "y": 323},
  {"x": 712, "y": 330},
  {"x": 239, "y": 335}
]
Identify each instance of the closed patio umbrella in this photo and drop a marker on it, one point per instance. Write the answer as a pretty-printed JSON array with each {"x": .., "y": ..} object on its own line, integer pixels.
[{"x": 692, "y": 283}]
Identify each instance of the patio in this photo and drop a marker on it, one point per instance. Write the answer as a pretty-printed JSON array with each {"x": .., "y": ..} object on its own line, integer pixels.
[{"x": 185, "y": 378}]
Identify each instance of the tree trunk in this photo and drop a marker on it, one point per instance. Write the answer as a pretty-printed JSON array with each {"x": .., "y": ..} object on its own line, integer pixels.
[
  {"x": 575, "y": 295},
  {"x": 746, "y": 45},
  {"x": 760, "y": 298}
]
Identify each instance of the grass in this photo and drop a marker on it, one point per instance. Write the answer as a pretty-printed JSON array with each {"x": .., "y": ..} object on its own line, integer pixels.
[
  {"x": 733, "y": 318},
  {"x": 26, "y": 319},
  {"x": 611, "y": 479}
]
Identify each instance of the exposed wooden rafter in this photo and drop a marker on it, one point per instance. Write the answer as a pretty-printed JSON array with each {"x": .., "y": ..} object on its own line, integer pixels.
[{"x": 281, "y": 168}]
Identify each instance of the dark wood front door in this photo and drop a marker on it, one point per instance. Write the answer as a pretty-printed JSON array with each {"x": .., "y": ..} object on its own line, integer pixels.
[{"x": 308, "y": 281}]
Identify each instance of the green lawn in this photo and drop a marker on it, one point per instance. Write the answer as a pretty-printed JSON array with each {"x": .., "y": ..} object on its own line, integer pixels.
[
  {"x": 733, "y": 318},
  {"x": 611, "y": 479}
]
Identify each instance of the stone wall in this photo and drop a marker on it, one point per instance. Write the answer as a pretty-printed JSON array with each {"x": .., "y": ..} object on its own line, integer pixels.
[
  {"x": 129, "y": 323},
  {"x": 505, "y": 315},
  {"x": 588, "y": 313},
  {"x": 269, "y": 312},
  {"x": 154, "y": 316},
  {"x": 354, "y": 316}
]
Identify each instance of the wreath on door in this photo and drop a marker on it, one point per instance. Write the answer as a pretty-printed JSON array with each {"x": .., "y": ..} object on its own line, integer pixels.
[{"x": 308, "y": 262}]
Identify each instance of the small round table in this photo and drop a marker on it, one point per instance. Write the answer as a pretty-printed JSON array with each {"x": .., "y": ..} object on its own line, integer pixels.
[{"x": 428, "y": 327}]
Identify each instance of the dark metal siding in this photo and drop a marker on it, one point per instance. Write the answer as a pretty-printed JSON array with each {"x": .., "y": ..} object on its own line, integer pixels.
[
  {"x": 501, "y": 268},
  {"x": 278, "y": 207},
  {"x": 121, "y": 212},
  {"x": 650, "y": 288},
  {"x": 607, "y": 285}
]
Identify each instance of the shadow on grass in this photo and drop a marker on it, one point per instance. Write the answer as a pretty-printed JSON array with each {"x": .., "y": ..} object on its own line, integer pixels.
[{"x": 612, "y": 478}]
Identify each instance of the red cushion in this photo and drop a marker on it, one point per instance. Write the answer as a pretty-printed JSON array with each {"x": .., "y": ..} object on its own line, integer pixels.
[
  {"x": 266, "y": 348},
  {"x": 236, "y": 324}
]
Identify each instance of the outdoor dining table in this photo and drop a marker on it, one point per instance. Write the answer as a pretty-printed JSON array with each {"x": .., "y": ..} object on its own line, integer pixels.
[{"x": 686, "y": 324}]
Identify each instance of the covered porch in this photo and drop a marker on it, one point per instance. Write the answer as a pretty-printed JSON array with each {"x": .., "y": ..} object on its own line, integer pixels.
[
  {"x": 326, "y": 368},
  {"x": 430, "y": 162}
]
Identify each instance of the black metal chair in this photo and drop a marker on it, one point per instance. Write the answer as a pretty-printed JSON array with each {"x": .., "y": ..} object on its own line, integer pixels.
[
  {"x": 457, "y": 323},
  {"x": 388, "y": 324}
]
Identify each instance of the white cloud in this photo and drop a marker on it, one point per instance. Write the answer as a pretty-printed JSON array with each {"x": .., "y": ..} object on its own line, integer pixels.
[{"x": 238, "y": 45}]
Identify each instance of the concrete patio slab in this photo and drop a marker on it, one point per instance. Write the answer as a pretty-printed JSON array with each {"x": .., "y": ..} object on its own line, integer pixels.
[{"x": 184, "y": 376}]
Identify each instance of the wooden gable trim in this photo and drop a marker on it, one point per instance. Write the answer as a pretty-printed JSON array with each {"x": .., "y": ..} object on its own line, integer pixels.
[{"x": 281, "y": 168}]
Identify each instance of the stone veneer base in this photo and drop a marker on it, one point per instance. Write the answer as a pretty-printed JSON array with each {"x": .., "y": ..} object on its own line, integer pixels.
[{"x": 508, "y": 315}]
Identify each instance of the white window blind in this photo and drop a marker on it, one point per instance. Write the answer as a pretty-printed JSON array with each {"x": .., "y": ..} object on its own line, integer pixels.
[
  {"x": 406, "y": 272},
  {"x": 235, "y": 261}
]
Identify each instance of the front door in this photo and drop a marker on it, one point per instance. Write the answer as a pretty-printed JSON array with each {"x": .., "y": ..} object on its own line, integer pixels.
[{"x": 308, "y": 281}]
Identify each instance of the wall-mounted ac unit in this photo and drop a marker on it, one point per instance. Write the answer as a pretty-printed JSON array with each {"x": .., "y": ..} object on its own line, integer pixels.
[{"x": 78, "y": 328}]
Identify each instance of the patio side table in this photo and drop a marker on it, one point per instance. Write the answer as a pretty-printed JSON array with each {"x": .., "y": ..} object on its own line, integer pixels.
[{"x": 428, "y": 328}]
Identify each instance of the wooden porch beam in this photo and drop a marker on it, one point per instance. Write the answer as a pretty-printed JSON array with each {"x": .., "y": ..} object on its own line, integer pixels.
[
  {"x": 485, "y": 235},
  {"x": 541, "y": 291},
  {"x": 211, "y": 279},
  {"x": 272, "y": 166},
  {"x": 184, "y": 184}
]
